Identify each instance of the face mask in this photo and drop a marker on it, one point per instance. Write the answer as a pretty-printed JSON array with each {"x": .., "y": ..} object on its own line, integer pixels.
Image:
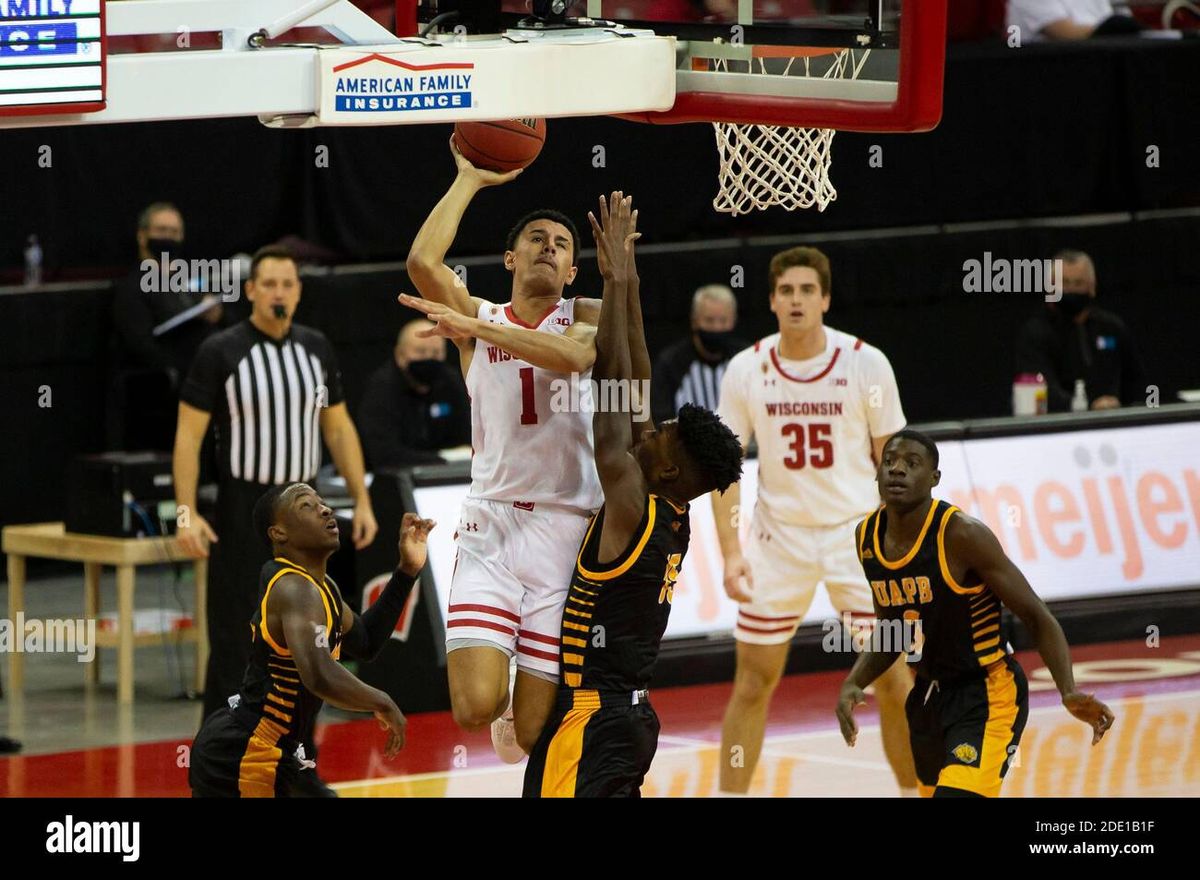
[
  {"x": 157, "y": 246},
  {"x": 715, "y": 340},
  {"x": 1072, "y": 304},
  {"x": 424, "y": 372}
]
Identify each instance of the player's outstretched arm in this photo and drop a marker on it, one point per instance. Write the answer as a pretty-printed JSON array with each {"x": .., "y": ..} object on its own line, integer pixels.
[
  {"x": 426, "y": 262},
  {"x": 570, "y": 352},
  {"x": 868, "y": 667},
  {"x": 363, "y": 637},
  {"x": 971, "y": 542},
  {"x": 620, "y": 476},
  {"x": 296, "y": 610}
]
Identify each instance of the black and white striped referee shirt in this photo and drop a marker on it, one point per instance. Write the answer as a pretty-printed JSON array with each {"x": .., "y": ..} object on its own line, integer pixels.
[{"x": 265, "y": 397}]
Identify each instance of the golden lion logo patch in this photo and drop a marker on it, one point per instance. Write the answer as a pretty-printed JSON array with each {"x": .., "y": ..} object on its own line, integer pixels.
[{"x": 966, "y": 753}]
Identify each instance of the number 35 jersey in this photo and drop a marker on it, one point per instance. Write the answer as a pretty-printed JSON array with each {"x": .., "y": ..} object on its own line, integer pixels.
[
  {"x": 531, "y": 429},
  {"x": 813, "y": 420}
]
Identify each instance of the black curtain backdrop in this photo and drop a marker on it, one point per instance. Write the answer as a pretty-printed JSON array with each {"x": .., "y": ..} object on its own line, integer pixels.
[
  {"x": 1032, "y": 132},
  {"x": 1036, "y": 132}
]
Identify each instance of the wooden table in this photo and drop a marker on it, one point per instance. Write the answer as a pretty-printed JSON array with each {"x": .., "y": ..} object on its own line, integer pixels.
[{"x": 52, "y": 541}]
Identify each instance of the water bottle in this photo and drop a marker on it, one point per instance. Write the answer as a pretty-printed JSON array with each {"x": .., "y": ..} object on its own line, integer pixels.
[
  {"x": 1079, "y": 403},
  {"x": 33, "y": 262},
  {"x": 1029, "y": 395}
]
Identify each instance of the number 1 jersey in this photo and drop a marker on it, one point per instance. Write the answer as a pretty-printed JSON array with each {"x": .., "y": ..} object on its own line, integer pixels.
[
  {"x": 813, "y": 420},
  {"x": 531, "y": 429}
]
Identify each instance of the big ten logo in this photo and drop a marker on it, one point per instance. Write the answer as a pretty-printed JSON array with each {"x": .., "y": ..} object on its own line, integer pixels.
[
  {"x": 598, "y": 636},
  {"x": 183, "y": 517},
  {"x": 599, "y": 156},
  {"x": 183, "y": 756},
  {"x": 667, "y": 593},
  {"x": 460, "y": 276},
  {"x": 322, "y": 635},
  {"x": 459, "y": 758},
  {"x": 561, "y": 321},
  {"x": 322, "y": 396},
  {"x": 45, "y": 397}
]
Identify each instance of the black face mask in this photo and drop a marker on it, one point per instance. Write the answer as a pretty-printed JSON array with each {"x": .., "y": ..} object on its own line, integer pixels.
[
  {"x": 424, "y": 372},
  {"x": 715, "y": 341},
  {"x": 157, "y": 246},
  {"x": 1072, "y": 304}
]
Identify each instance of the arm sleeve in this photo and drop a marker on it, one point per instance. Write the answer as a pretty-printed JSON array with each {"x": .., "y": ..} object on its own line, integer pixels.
[
  {"x": 734, "y": 406},
  {"x": 371, "y": 630},
  {"x": 134, "y": 323},
  {"x": 378, "y": 426},
  {"x": 204, "y": 379},
  {"x": 885, "y": 416},
  {"x": 1133, "y": 371},
  {"x": 1034, "y": 356}
]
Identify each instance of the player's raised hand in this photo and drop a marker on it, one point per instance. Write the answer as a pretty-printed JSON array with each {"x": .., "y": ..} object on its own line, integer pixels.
[
  {"x": 481, "y": 177},
  {"x": 739, "y": 580},
  {"x": 393, "y": 721},
  {"x": 414, "y": 532},
  {"x": 450, "y": 323},
  {"x": 615, "y": 232},
  {"x": 851, "y": 695},
  {"x": 1091, "y": 711}
]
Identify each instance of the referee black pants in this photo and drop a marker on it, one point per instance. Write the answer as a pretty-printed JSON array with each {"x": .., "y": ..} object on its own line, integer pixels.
[{"x": 235, "y": 562}]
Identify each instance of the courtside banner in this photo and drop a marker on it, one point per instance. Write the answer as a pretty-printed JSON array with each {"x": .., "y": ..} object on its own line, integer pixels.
[
  {"x": 495, "y": 79},
  {"x": 1081, "y": 513}
]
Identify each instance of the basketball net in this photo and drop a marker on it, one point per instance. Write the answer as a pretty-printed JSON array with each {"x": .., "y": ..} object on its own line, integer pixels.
[{"x": 765, "y": 165}]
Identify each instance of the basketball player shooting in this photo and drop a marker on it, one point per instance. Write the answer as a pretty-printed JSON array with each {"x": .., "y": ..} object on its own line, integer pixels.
[
  {"x": 533, "y": 481},
  {"x": 601, "y": 738},
  {"x": 944, "y": 575}
]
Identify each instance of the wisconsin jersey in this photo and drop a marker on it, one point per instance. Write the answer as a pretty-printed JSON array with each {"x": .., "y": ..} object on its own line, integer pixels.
[
  {"x": 959, "y": 630},
  {"x": 272, "y": 695},
  {"x": 616, "y": 613},
  {"x": 813, "y": 420},
  {"x": 531, "y": 429}
]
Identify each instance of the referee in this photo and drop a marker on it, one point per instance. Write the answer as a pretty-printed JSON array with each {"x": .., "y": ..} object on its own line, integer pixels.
[{"x": 269, "y": 385}]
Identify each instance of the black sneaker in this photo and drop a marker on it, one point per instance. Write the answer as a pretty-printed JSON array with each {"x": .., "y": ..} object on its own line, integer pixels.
[{"x": 8, "y": 746}]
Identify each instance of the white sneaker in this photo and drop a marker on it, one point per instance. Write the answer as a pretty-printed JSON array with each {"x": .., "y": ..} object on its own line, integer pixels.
[{"x": 504, "y": 732}]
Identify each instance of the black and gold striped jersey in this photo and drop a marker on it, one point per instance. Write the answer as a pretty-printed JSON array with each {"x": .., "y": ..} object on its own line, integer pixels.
[
  {"x": 616, "y": 613},
  {"x": 959, "y": 625},
  {"x": 272, "y": 694}
]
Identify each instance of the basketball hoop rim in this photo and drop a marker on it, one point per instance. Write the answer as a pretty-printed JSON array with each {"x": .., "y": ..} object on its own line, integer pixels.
[{"x": 919, "y": 89}]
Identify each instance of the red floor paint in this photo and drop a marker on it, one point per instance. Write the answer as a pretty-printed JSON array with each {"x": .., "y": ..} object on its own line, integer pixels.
[{"x": 353, "y": 750}]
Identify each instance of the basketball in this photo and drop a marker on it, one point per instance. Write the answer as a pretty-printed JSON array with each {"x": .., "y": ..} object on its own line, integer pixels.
[{"x": 501, "y": 146}]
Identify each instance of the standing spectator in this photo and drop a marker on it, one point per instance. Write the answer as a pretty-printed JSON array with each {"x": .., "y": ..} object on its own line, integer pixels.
[
  {"x": 148, "y": 368},
  {"x": 1073, "y": 339},
  {"x": 414, "y": 405},
  {"x": 268, "y": 385},
  {"x": 690, "y": 371}
]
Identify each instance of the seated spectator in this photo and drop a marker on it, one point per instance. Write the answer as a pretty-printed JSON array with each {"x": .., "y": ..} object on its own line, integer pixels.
[
  {"x": 690, "y": 371},
  {"x": 148, "y": 365},
  {"x": 1068, "y": 19},
  {"x": 1073, "y": 339},
  {"x": 414, "y": 405}
]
